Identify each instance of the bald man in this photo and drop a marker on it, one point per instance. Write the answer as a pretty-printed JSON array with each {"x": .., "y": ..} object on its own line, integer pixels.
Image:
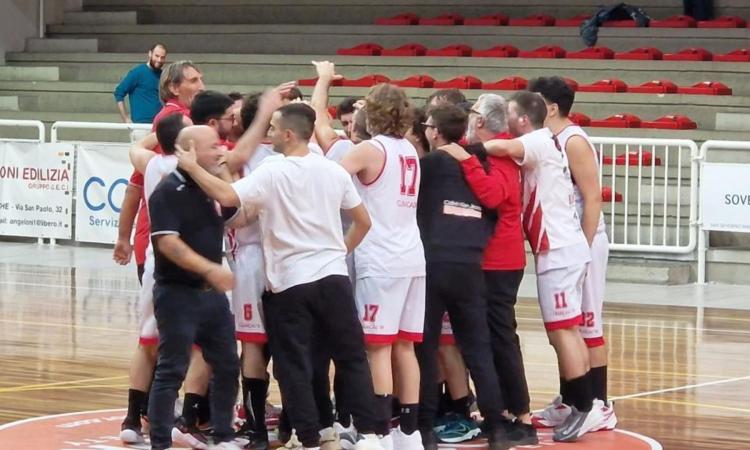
[{"x": 190, "y": 304}]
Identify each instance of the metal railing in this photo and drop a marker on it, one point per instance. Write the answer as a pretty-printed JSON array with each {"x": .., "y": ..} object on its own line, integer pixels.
[{"x": 658, "y": 182}]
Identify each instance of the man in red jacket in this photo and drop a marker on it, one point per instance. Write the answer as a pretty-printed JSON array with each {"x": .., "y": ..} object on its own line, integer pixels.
[{"x": 505, "y": 257}]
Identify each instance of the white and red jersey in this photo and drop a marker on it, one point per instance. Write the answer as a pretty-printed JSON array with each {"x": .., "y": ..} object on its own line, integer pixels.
[
  {"x": 338, "y": 149},
  {"x": 157, "y": 168},
  {"x": 550, "y": 219},
  {"x": 250, "y": 234},
  {"x": 392, "y": 247},
  {"x": 562, "y": 139}
]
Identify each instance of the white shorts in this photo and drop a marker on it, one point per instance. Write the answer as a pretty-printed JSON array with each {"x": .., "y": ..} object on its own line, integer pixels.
[
  {"x": 391, "y": 308},
  {"x": 249, "y": 284},
  {"x": 592, "y": 304},
  {"x": 148, "y": 334},
  {"x": 560, "y": 296},
  {"x": 446, "y": 332}
]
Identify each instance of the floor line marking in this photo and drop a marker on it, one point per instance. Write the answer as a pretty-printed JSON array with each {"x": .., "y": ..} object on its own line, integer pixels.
[
  {"x": 69, "y": 387},
  {"x": 68, "y": 286},
  {"x": 63, "y": 383},
  {"x": 699, "y": 405},
  {"x": 681, "y": 388},
  {"x": 68, "y": 325}
]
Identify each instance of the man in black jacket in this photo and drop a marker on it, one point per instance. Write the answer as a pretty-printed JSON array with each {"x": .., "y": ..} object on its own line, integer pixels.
[{"x": 454, "y": 229}]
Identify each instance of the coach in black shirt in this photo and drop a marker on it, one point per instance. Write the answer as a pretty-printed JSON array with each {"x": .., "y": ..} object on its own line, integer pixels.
[{"x": 189, "y": 301}]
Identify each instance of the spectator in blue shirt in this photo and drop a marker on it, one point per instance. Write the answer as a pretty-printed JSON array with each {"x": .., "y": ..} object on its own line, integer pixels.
[{"x": 141, "y": 84}]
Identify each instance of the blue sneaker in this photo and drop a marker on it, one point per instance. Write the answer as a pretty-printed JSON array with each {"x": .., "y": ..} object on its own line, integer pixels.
[{"x": 460, "y": 430}]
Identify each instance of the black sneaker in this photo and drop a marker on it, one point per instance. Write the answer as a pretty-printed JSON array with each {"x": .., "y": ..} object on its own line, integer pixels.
[
  {"x": 520, "y": 433},
  {"x": 429, "y": 439},
  {"x": 497, "y": 439},
  {"x": 256, "y": 441},
  {"x": 191, "y": 437}
]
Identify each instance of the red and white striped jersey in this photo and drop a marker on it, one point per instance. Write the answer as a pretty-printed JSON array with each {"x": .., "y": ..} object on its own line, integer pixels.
[
  {"x": 550, "y": 219},
  {"x": 392, "y": 247}
]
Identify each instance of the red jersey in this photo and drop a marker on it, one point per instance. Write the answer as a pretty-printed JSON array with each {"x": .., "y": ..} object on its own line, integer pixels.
[
  {"x": 500, "y": 190},
  {"x": 142, "y": 226}
]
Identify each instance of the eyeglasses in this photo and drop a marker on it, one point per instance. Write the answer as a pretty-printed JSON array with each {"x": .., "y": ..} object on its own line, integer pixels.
[
  {"x": 428, "y": 125},
  {"x": 473, "y": 111},
  {"x": 227, "y": 118}
]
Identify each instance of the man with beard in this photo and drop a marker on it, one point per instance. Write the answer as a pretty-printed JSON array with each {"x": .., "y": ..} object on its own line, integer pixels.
[{"x": 141, "y": 85}]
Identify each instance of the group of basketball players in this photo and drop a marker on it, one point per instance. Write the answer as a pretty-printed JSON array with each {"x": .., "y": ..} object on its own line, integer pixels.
[{"x": 330, "y": 263}]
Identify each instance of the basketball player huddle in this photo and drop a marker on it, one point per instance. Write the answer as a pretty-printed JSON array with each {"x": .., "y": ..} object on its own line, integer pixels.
[{"x": 394, "y": 249}]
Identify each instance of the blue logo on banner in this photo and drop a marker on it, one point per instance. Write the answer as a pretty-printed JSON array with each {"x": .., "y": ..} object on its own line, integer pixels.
[{"x": 110, "y": 193}]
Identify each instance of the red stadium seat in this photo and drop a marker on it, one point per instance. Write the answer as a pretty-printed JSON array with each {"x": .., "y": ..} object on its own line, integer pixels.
[
  {"x": 741, "y": 55},
  {"x": 399, "y": 19},
  {"x": 618, "y": 121},
  {"x": 641, "y": 54},
  {"x": 451, "y": 50},
  {"x": 487, "y": 21},
  {"x": 629, "y": 23},
  {"x": 405, "y": 50},
  {"x": 499, "y": 51},
  {"x": 654, "y": 87},
  {"x": 607, "y": 195},
  {"x": 365, "y": 81},
  {"x": 632, "y": 157},
  {"x": 676, "y": 122},
  {"x": 604, "y": 86},
  {"x": 507, "y": 84},
  {"x": 723, "y": 22},
  {"x": 674, "y": 22},
  {"x": 312, "y": 81},
  {"x": 690, "y": 54},
  {"x": 367, "y": 49},
  {"x": 592, "y": 53},
  {"x": 573, "y": 84},
  {"x": 415, "y": 81},
  {"x": 548, "y": 51},
  {"x": 580, "y": 119},
  {"x": 705, "y": 88},
  {"x": 574, "y": 21},
  {"x": 443, "y": 20},
  {"x": 461, "y": 82},
  {"x": 536, "y": 20}
]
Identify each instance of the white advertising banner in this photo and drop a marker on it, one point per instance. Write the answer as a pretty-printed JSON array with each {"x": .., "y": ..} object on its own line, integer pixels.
[
  {"x": 103, "y": 173},
  {"x": 725, "y": 197},
  {"x": 36, "y": 182}
]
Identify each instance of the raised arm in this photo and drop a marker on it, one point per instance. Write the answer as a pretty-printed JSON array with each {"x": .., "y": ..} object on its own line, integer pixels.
[
  {"x": 271, "y": 100},
  {"x": 503, "y": 147},
  {"x": 214, "y": 187},
  {"x": 584, "y": 171},
  {"x": 142, "y": 151},
  {"x": 324, "y": 132}
]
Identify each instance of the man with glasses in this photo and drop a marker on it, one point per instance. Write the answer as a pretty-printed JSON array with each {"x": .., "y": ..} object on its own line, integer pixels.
[{"x": 455, "y": 230}]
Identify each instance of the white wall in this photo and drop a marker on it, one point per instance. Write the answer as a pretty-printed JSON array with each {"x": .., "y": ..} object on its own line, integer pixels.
[{"x": 20, "y": 20}]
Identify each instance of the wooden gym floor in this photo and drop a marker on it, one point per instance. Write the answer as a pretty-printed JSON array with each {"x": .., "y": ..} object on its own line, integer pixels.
[{"x": 679, "y": 374}]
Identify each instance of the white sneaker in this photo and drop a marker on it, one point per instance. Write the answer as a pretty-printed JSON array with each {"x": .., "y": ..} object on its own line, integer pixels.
[
  {"x": 403, "y": 441},
  {"x": 579, "y": 423},
  {"x": 552, "y": 416},
  {"x": 368, "y": 442},
  {"x": 130, "y": 436},
  {"x": 386, "y": 442},
  {"x": 609, "y": 421},
  {"x": 329, "y": 439},
  {"x": 347, "y": 435},
  {"x": 293, "y": 442},
  {"x": 187, "y": 440}
]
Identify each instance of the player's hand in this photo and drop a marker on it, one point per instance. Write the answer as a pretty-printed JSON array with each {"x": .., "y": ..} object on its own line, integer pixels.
[
  {"x": 123, "y": 252},
  {"x": 220, "y": 278},
  {"x": 186, "y": 158},
  {"x": 359, "y": 104},
  {"x": 273, "y": 99},
  {"x": 326, "y": 71},
  {"x": 455, "y": 151}
]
